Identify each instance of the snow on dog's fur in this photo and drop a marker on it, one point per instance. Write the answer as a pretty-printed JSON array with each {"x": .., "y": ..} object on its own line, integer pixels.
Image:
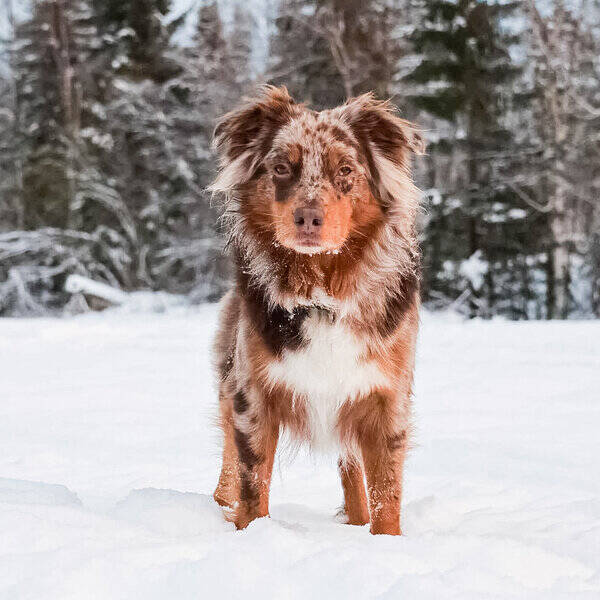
[{"x": 318, "y": 334}]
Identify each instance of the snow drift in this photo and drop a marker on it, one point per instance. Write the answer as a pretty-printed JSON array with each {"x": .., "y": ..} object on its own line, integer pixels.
[{"x": 110, "y": 456}]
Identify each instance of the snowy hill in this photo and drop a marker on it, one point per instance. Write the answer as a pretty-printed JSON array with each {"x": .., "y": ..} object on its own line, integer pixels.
[{"x": 109, "y": 457}]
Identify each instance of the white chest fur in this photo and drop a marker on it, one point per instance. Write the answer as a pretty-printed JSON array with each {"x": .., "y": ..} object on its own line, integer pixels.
[{"x": 327, "y": 371}]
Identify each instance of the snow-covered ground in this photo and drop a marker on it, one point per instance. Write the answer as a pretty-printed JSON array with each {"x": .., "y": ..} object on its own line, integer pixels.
[{"x": 109, "y": 458}]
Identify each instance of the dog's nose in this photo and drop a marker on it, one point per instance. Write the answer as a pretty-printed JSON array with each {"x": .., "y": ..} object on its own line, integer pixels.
[{"x": 308, "y": 220}]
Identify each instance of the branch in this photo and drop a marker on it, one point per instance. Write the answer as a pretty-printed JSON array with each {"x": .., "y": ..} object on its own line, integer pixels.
[{"x": 544, "y": 208}]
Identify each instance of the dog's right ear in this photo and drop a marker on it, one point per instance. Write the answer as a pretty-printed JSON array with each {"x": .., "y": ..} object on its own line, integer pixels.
[{"x": 243, "y": 137}]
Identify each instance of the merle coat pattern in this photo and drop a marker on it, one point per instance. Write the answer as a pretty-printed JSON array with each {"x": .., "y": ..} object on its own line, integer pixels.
[{"x": 318, "y": 333}]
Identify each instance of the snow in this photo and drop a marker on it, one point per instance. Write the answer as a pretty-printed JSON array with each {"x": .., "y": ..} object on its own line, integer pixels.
[
  {"x": 127, "y": 302},
  {"x": 78, "y": 283},
  {"x": 474, "y": 269},
  {"x": 109, "y": 456}
]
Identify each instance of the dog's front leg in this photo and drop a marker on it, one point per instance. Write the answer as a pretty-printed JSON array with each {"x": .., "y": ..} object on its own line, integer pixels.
[
  {"x": 256, "y": 438},
  {"x": 384, "y": 462},
  {"x": 378, "y": 423},
  {"x": 355, "y": 499}
]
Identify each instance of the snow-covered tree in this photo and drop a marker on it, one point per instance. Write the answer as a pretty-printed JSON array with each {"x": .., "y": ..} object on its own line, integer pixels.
[
  {"x": 139, "y": 29},
  {"x": 51, "y": 51},
  {"x": 463, "y": 78},
  {"x": 50, "y": 61},
  {"x": 561, "y": 178},
  {"x": 106, "y": 127},
  {"x": 328, "y": 50}
]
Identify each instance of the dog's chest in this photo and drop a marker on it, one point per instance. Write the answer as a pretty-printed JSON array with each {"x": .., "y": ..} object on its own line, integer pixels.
[{"x": 326, "y": 371}]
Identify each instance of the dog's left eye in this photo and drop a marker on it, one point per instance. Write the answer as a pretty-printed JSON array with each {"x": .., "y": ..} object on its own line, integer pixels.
[
  {"x": 281, "y": 169},
  {"x": 345, "y": 171}
]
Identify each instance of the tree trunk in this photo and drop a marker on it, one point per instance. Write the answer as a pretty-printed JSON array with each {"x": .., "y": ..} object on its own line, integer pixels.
[
  {"x": 70, "y": 93},
  {"x": 559, "y": 306},
  {"x": 560, "y": 260},
  {"x": 19, "y": 205}
]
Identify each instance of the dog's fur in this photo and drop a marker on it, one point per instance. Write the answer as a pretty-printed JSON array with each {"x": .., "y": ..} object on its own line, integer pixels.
[{"x": 318, "y": 336}]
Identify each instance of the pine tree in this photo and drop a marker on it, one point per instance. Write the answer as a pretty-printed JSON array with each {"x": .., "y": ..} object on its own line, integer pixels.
[
  {"x": 160, "y": 158},
  {"x": 561, "y": 180},
  {"x": 139, "y": 35},
  {"x": 300, "y": 56},
  {"x": 52, "y": 59},
  {"x": 51, "y": 49},
  {"x": 463, "y": 79},
  {"x": 11, "y": 208},
  {"x": 214, "y": 72},
  {"x": 328, "y": 50},
  {"x": 240, "y": 48}
]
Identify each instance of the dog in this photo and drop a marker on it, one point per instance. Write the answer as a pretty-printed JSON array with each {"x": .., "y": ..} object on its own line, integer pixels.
[{"x": 318, "y": 334}]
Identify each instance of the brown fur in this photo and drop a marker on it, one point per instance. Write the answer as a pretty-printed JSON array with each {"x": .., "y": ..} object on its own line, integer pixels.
[{"x": 357, "y": 278}]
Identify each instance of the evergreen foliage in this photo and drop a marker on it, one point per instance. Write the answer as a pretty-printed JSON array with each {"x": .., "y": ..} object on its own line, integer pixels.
[
  {"x": 328, "y": 50},
  {"x": 106, "y": 126},
  {"x": 465, "y": 78}
]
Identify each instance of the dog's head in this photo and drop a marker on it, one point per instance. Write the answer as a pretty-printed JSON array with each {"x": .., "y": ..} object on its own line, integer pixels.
[{"x": 310, "y": 180}]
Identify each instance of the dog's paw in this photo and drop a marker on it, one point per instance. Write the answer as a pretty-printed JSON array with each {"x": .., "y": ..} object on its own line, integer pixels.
[{"x": 341, "y": 516}]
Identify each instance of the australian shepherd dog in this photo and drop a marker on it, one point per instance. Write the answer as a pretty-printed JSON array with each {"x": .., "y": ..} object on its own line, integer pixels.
[{"x": 318, "y": 334}]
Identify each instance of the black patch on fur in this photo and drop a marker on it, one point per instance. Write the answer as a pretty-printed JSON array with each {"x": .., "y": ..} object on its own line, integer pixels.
[
  {"x": 346, "y": 185},
  {"x": 398, "y": 303},
  {"x": 246, "y": 455},
  {"x": 259, "y": 172},
  {"x": 240, "y": 402},
  {"x": 284, "y": 186},
  {"x": 340, "y": 135},
  {"x": 279, "y": 328},
  {"x": 248, "y": 491},
  {"x": 282, "y": 328}
]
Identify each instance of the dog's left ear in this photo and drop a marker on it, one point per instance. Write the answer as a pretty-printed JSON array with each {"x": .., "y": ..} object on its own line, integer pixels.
[
  {"x": 376, "y": 123},
  {"x": 386, "y": 142},
  {"x": 243, "y": 136}
]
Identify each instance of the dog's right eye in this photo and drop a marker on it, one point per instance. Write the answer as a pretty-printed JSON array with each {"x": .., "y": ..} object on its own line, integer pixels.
[{"x": 282, "y": 170}]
